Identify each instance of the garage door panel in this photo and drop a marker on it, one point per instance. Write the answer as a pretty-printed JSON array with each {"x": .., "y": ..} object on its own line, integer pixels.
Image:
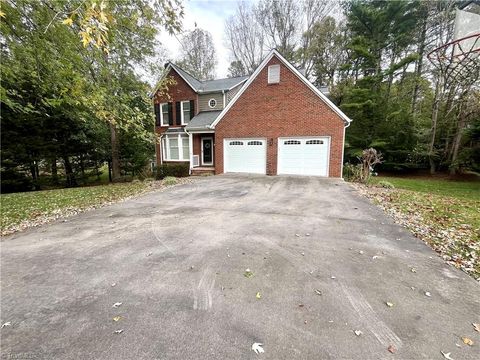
[
  {"x": 303, "y": 156},
  {"x": 245, "y": 156}
]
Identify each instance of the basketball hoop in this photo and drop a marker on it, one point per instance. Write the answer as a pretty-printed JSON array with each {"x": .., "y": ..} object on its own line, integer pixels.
[{"x": 459, "y": 60}]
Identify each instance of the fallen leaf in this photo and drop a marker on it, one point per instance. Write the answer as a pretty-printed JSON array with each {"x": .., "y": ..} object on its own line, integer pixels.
[
  {"x": 67, "y": 21},
  {"x": 118, "y": 331},
  {"x": 302, "y": 253},
  {"x": 392, "y": 349},
  {"x": 301, "y": 305},
  {"x": 113, "y": 284},
  {"x": 333, "y": 277},
  {"x": 150, "y": 253},
  {"x": 318, "y": 292},
  {"x": 476, "y": 327},
  {"x": 258, "y": 296},
  {"x": 257, "y": 347},
  {"x": 389, "y": 304},
  {"x": 307, "y": 234},
  {"x": 361, "y": 252},
  {"x": 117, "y": 304},
  {"x": 248, "y": 273},
  {"x": 117, "y": 318},
  {"x": 374, "y": 257},
  {"x": 428, "y": 294},
  {"x": 467, "y": 341},
  {"x": 297, "y": 235},
  {"x": 305, "y": 321},
  {"x": 446, "y": 355},
  {"x": 413, "y": 270},
  {"x": 358, "y": 332},
  {"x": 8, "y": 323}
]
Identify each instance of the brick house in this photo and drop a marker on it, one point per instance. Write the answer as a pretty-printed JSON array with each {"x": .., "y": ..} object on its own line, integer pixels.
[{"x": 273, "y": 122}]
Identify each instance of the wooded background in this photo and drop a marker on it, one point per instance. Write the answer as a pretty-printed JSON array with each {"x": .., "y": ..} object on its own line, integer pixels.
[{"x": 74, "y": 94}]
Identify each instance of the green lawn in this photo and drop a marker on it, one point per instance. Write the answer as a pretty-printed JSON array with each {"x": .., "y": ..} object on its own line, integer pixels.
[
  {"x": 21, "y": 210},
  {"x": 443, "y": 213},
  {"x": 458, "y": 189}
]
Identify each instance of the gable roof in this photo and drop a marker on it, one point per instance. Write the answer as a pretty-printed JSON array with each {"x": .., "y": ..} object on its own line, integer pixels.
[
  {"x": 202, "y": 86},
  {"x": 265, "y": 61}
]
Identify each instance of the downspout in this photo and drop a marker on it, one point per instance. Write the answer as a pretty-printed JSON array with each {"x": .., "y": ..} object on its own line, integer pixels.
[
  {"x": 343, "y": 149},
  {"x": 223, "y": 92}
]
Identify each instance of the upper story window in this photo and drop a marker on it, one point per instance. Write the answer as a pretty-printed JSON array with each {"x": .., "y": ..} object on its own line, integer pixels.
[
  {"x": 185, "y": 109},
  {"x": 212, "y": 103},
  {"x": 164, "y": 114},
  {"x": 274, "y": 74}
]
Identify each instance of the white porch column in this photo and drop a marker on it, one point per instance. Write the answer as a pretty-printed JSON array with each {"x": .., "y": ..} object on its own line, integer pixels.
[{"x": 190, "y": 150}]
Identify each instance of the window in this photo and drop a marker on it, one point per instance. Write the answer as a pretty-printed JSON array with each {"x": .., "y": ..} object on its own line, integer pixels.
[
  {"x": 164, "y": 119},
  {"x": 274, "y": 74},
  {"x": 185, "y": 148},
  {"x": 254, "y": 143},
  {"x": 212, "y": 103},
  {"x": 291, "y": 142},
  {"x": 314, "y": 142},
  {"x": 236, "y": 143},
  {"x": 185, "y": 109},
  {"x": 175, "y": 148}
]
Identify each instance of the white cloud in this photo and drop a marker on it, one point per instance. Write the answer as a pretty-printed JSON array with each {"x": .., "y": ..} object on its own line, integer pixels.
[{"x": 209, "y": 15}]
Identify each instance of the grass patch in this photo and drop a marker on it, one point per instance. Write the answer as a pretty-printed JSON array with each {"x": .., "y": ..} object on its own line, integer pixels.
[
  {"x": 21, "y": 210},
  {"x": 451, "y": 188},
  {"x": 170, "y": 180},
  {"x": 443, "y": 213}
]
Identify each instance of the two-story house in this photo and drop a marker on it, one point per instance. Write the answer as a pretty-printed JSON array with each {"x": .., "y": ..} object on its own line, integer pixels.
[{"x": 273, "y": 122}]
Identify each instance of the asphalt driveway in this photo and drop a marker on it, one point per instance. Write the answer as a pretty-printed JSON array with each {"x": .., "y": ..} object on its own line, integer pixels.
[{"x": 324, "y": 261}]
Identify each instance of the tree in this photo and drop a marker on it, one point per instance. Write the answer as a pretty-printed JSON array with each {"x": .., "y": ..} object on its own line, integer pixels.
[
  {"x": 281, "y": 23},
  {"x": 326, "y": 50},
  {"x": 245, "y": 37},
  {"x": 198, "y": 55},
  {"x": 236, "y": 69}
]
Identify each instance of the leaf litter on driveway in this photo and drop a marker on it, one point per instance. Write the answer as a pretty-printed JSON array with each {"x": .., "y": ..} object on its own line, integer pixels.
[{"x": 257, "y": 348}]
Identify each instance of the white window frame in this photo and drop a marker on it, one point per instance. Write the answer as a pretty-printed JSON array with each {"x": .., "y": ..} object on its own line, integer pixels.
[
  {"x": 166, "y": 147},
  {"x": 161, "y": 114},
  {"x": 271, "y": 76},
  {"x": 181, "y": 111},
  {"x": 212, "y": 107}
]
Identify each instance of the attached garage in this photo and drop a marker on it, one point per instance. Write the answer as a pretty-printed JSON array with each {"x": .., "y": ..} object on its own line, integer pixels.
[
  {"x": 303, "y": 156},
  {"x": 245, "y": 155}
]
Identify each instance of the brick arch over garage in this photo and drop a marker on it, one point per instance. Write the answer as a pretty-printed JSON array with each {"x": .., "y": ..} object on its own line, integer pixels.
[{"x": 287, "y": 109}]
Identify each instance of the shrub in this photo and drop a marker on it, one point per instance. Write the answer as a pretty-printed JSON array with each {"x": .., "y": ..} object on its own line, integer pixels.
[
  {"x": 386, "y": 184},
  {"x": 169, "y": 180},
  {"x": 352, "y": 173},
  {"x": 175, "y": 170}
]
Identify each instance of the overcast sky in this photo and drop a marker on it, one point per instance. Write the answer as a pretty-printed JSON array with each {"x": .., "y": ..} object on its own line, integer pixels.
[{"x": 209, "y": 15}]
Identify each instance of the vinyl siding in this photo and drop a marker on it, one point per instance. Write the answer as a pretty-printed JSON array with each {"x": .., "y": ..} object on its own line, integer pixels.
[
  {"x": 204, "y": 99},
  {"x": 231, "y": 94}
]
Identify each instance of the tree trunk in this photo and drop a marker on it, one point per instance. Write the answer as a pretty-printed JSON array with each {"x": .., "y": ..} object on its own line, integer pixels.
[
  {"x": 54, "y": 171},
  {"x": 115, "y": 153},
  {"x": 419, "y": 65},
  {"x": 433, "y": 131},
  {"x": 71, "y": 181},
  {"x": 456, "y": 144}
]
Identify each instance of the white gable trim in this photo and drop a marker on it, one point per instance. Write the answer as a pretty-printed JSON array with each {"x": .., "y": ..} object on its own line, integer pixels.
[
  {"x": 292, "y": 69},
  {"x": 166, "y": 72}
]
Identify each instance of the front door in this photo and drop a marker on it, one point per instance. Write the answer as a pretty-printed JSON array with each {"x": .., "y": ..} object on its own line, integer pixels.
[{"x": 207, "y": 151}]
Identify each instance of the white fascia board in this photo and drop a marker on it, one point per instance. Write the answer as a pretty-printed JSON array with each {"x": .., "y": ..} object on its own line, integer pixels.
[{"x": 296, "y": 72}]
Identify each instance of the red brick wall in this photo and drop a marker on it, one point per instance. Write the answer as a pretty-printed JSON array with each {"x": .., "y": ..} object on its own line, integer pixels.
[
  {"x": 289, "y": 108},
  {"x": 181, "y": 91}
]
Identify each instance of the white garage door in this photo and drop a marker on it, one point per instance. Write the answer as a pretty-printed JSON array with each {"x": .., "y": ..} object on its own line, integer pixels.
[
  {"x": 303, "y": 156},
  {"x": 245, "y": 155}
]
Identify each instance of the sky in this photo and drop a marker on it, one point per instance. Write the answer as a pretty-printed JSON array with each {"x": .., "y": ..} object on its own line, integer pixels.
[{"x": 208, "y": 15}]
